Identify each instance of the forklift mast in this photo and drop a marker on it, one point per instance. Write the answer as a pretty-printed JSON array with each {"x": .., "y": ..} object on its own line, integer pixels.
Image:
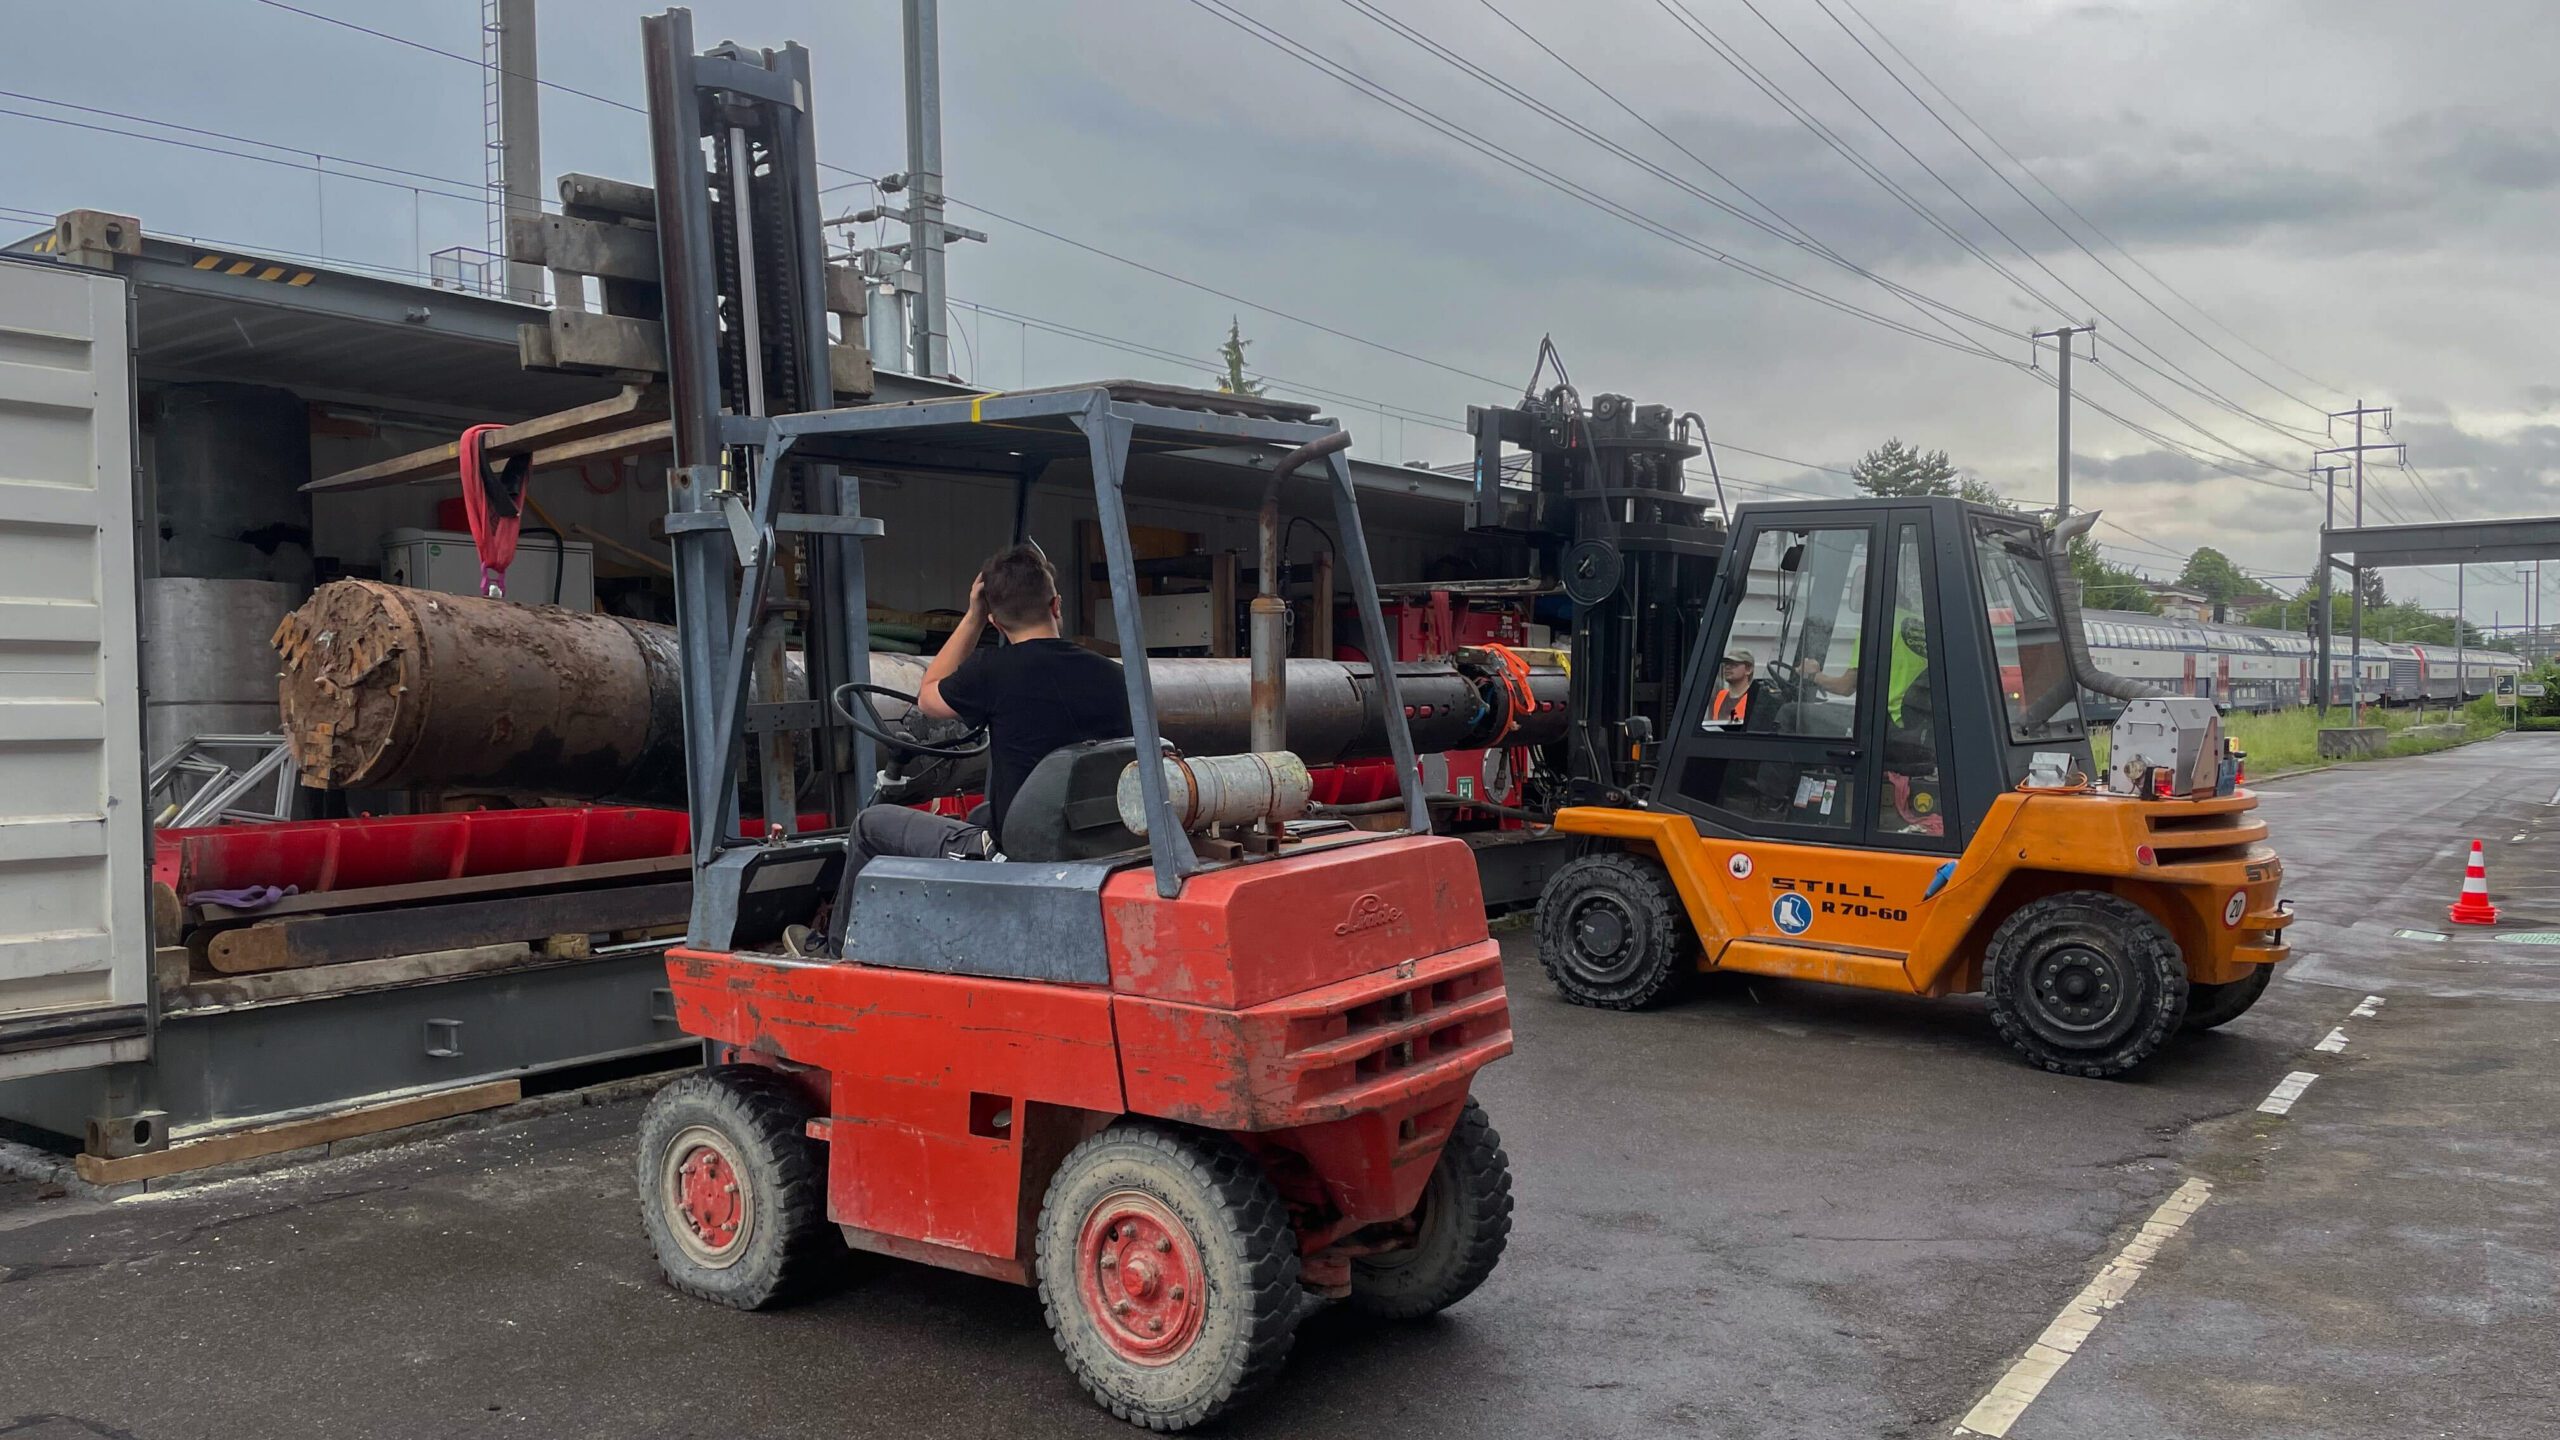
[
  {"x": 743, "y": 266},
  {"x": 1608, "y": 509}
]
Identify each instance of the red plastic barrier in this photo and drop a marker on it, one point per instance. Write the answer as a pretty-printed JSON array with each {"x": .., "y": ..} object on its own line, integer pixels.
[{"x": 406, "y": 849}]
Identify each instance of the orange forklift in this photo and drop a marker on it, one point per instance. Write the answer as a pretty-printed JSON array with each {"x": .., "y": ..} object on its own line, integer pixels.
[
  {"x": 1182, "y": 1058},
  {"x": 1842, "y": 741}
]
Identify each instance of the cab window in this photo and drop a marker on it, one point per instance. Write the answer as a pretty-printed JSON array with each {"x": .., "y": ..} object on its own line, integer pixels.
[
  {"x": 1908, "y": 801},
  {"x": 2037, "y": 688},
  {"x": 1796, "y": 633}
]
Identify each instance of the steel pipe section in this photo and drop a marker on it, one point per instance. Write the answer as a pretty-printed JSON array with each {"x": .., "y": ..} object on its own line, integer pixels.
[{"x": 388, "y": 688}]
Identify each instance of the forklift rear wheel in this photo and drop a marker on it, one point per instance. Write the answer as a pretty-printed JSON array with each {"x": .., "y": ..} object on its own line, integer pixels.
[
  {"x": 1612, "y": 932},
  {"x": 1460, "y": 1229},
  {"x": 733, "y": 1190},
  {"x": 2211, "y": 1005},
  {"x": 1168, "y": 1271},
  {"x": 2084, "y": 983}
]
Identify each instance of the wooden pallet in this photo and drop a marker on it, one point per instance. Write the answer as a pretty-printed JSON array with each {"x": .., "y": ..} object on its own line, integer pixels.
[{"x": 257, "y": 1141}]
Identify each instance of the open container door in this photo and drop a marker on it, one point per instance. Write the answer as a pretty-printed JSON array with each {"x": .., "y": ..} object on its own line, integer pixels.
[{"x": 75, "y": 938}]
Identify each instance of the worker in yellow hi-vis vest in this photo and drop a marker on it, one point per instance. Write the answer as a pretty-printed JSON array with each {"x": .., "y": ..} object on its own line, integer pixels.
[{"x": 1906, "y": 689}]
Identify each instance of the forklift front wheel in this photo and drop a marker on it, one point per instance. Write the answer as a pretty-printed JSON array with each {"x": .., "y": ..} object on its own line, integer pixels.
[
  {"x": 1612, "y": 932},
  {"x": 2084, "y": 983},
  {"x": 1169, "y": 1273},
  {"x": 733, "y": 1191},
  {"x": 1460, "y": 1229}
]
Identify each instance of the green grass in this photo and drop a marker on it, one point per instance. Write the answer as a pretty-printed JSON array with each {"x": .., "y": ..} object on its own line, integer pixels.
[{"x": 2290, "y": 739}]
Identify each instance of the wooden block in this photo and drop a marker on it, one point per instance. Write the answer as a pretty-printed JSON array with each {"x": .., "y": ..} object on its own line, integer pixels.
[
  {"x": 250, "y": 1144},
  {"x": 635, "y": 406}
]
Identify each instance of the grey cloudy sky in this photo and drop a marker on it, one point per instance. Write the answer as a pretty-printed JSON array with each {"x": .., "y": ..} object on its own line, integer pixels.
[{"x": 2366, "y": 190}]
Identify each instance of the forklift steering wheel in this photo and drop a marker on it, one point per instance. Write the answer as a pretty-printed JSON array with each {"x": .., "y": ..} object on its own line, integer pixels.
[{"x": 864, "y": 716}]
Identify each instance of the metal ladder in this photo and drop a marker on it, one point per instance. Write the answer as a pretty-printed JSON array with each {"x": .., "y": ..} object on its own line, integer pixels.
[{"x": 229, "y": 771}]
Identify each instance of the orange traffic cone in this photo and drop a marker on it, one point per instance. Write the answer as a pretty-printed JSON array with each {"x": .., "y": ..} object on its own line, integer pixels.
[{"x": 2474, "y": 907}]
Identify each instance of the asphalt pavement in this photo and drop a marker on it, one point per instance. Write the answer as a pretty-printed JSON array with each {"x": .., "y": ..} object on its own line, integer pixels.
[{"x": 1771, "y": 1210}]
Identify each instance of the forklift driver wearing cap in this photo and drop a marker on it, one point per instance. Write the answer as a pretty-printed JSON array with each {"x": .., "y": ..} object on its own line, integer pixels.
[{"x": 1035, "y": 693}]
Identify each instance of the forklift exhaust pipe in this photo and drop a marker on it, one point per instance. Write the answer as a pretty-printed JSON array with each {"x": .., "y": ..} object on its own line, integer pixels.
[
  {"x": 1268, "y": 629},
  {"x": 2075, "y": 639}
]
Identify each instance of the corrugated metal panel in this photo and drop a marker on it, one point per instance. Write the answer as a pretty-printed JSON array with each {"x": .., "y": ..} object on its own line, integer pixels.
[{"x": 75, "y": 943}]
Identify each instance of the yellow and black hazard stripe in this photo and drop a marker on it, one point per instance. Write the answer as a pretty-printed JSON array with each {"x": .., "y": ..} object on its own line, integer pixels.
[{"x": 255, "y": 269}]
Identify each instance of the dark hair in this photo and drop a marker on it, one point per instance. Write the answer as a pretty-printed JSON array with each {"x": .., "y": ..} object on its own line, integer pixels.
[{"x": 1019, "y": 586}]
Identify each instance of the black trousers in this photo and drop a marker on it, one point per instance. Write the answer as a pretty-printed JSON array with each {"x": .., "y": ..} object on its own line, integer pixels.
[{"x": 898, "y": 830}]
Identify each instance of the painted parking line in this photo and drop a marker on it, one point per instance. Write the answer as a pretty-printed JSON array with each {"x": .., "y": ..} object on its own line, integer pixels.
[
  {"x": 2018, "y": 1387},
  {"x": 2287, "y": 1090},
  {"x": 2371, "y": 1007},
  {"x": 2334, "y": 1042}
]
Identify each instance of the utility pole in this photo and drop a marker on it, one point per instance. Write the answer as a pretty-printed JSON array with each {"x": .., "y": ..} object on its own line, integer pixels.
[
  {"x": 909, "y": 326},
  {"x": 2323, "y": 620},
  {"x": 519, "y": 135},
  {"x": 2461, "y": 655},
  {"x": 2061, "y": 338},
  {"x": 929, "y": 324},
  {"x": 2355, "y": 604}
]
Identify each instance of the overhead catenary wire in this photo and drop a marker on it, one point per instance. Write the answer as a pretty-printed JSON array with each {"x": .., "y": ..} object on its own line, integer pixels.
[
  {"x": 1706, "y": 35},
  {"x": 2135, "y": 260},
  {"x": 2066, "y": 233},
  {"x": 1261, "y": 307},
  {"x": 1575, "y": 190}
]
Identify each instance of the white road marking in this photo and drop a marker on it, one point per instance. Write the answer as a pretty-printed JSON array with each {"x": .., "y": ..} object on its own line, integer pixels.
[
  {"x": 2515, "y": 839},
  {"x": 2555, "y": 798},
  {"x": 2018, "y": 1387},
  {"x": 2372, "y": 1006},
  {"x": 2287, "y": 1090},
  {"x": 2336, "y": 1041}
]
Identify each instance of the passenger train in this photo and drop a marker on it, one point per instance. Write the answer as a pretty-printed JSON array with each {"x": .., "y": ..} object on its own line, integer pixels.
[{"x": 2249, "y": 667}]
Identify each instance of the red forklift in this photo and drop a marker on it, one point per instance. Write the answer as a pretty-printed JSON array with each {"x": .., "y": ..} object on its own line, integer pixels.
[{"x": 1182, "y": 1059}]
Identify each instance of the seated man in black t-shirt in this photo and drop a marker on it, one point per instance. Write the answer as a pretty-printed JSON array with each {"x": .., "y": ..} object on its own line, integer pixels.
[{"x": 1035, "y": 693}]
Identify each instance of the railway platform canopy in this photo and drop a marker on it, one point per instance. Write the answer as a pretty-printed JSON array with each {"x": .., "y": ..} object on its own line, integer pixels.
[{"x": 2451, "y": 542}]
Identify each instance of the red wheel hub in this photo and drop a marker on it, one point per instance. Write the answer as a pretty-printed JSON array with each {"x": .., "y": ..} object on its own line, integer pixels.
[
  {"x": 1139, "y": 1274},
  {"x": 707, "y": 1197}
]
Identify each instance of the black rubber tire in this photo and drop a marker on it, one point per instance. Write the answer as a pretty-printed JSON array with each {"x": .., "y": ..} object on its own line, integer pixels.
[
  {"x": 2106, "y": 941},
  {"x": 1465, "y": 1224},
  {"x": 2211, "y": 1005},
  {"x": 1248, "y": 1257},
  {"x": 1613, "y": 934},
  {"x": 788, "y": 1249}
]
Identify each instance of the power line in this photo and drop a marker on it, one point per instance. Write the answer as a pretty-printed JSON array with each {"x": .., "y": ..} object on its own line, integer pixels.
[
  {"x": 1724, "y": 50},
  {"x": 1801, "y": 239},
  {"x": 2059, "y": 197},
  {"x": 2058, "y": 226},
  {"x": 1223, "y": 11},
  {"x": 476, "y": 197},
  {"x": 473, "y": 61},
  {"x": 1961, "y": 198}
]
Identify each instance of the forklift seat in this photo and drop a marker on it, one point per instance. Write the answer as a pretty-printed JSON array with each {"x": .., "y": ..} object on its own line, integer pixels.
[{"x": 1068, "y": 807}]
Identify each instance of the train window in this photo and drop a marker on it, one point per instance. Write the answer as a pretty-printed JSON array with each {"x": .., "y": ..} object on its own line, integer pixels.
[{"x": 2043, "y": 698}]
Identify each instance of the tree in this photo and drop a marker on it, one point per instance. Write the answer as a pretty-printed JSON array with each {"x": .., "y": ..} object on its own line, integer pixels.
[
  {"x": 1895, "y": 470},
  {"x": 2211, "y": 574},
  {"x": 1234, "y": 381},
  {"x": 2105, "y": 585}
]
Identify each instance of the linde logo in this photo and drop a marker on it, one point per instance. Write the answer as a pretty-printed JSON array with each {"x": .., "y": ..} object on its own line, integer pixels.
[{"x": 1368, "y": 913}]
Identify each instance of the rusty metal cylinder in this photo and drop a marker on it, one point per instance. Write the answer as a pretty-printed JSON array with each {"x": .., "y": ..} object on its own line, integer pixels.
[
  {"x": 388, "y": 688},
  {"x": 1206, "y": 790}
]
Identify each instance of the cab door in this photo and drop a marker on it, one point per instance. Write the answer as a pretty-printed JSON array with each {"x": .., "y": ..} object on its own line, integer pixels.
[{"x": 1827, "y": 805}]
